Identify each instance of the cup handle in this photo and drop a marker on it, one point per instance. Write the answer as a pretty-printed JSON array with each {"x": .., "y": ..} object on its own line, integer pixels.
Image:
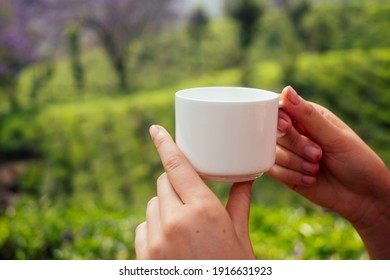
[{"x": 278, "y": 133}]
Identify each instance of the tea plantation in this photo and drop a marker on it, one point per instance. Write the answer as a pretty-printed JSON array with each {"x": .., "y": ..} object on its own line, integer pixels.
[{"x": 92, "y": 168}]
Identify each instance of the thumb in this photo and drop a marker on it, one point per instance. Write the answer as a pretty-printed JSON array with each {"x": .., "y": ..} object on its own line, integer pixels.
[
  {"x": 238, "y": 207},
  {"x": 308, "y": 117}
]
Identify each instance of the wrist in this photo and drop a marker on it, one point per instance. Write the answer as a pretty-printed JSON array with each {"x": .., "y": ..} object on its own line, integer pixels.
[
  {"x": 375, "y": 235},
  {"x": 373, "y": 221}
]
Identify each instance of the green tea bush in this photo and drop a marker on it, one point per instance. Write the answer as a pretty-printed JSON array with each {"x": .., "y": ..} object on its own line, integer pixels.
[
  {"x": 102, "y": 149},
  {"x": 295, "y": 233},
  {"x": 46, "y": 229}
]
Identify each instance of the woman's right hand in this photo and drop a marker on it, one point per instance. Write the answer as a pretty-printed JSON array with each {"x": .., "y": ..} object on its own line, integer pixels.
[{"x": 322, "y": 159}]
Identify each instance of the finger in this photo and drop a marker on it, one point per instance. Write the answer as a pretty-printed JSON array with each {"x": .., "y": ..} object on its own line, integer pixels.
[
  {"x": 291, "y": 178},
  {"x": 168, "y": 198},
  {"x": 284, "y": 122},
  {"x": 182, "y": 176},
  {"x": 238, "y": 206},
  {"x": 301, "y": 145},
  {"x": 153, "y": 218},
  {"x": 141, "y": 240},
  {"x": 306, "y": 114},
  {"x": 294, "y": 162}
]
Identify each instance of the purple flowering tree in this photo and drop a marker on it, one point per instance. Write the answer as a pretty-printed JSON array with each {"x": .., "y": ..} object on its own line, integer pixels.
[
  {"x": 30, "y": 31},
  {"x": 27, "y": 32},
  {"x": 15, "y": 47},
  {"x": 117, "y": 23}
]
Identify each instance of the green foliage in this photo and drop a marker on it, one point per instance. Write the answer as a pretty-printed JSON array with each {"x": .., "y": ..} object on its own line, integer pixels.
[
  {"x": 101, "y": 149},
  {"x": 17, "y": 137},
  {"x": 356, "y": 25},
  {"x": 46, "y": 229},
  {"x": 354, "y": 85},
  {"x": 294, "y": 233}
]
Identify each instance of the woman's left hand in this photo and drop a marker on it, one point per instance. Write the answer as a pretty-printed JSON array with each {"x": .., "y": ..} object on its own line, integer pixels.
[{"x": 186, "y": 220}]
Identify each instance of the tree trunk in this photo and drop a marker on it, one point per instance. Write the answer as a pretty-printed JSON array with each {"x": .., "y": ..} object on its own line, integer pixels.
[
  {"x": 11, "y": 91},
  {"x": 121, "y": 71}
]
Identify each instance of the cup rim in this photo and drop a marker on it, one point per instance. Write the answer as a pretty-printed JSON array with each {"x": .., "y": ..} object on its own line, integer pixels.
[{"x": 226, "y": 94}]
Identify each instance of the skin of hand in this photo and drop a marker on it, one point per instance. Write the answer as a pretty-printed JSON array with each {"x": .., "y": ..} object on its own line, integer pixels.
[
  {"x": 186, "y": 220},
  {"x": 322, "y": 159}
]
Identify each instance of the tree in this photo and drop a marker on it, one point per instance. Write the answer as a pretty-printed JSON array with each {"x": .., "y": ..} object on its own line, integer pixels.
[
  {"x": 16, "y": 47},
  {"x": 295, "y": 11},
  {"x": 197, "y": 26},
  {"x": 30, "y": 32},
  {"x": 73, "y": 38},
  {"x": 247, "y": 14},
  {"x": 117, "y": 23}
]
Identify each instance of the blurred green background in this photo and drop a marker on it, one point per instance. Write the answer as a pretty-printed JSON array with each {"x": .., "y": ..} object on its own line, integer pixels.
[{"x": 80, "y": 84}]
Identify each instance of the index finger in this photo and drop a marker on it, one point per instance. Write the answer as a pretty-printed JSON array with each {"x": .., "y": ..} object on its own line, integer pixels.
[
  {"x": 305, "y": 113},
  {"x": 184, "y": 179}
]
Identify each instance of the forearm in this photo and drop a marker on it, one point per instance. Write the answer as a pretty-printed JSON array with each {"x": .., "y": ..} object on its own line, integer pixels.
[
  {"x": 376, "y": 238},
  {"x": 373, "y": 225}
]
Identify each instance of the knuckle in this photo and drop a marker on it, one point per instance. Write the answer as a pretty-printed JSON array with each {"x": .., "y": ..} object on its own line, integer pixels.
[
  {"x": 294, "y": 140},
  {"x": 160, "y": 141},
  {"x": 154, "y": 249},
  {"x": 173, "y": 228},
  {"x": 152, "y": 201},
  {"x": 213, "y": 217},
  {"x": 207, "y": 211},
  {"x": 316, "y": 168},
  {"x": 308, "y": 109},
  {"x": 161, "y": 178},
  {"x": 140, "y": 228},
  {"x": 173, "y": 162},
  {"x": 288, "y": 162},
  {"x": 140, "y": 254}
]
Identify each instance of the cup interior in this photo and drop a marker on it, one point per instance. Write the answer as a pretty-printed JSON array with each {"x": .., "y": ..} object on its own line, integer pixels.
[{"x": 226, "y": 94}]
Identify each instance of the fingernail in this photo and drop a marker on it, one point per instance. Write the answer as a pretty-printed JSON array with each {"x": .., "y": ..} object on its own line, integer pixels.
[
  {"x": 308, "y": 180},
  {"x": 153, "y": 130},
  {"x": 309, "y": 167},
  {"x": 312, "y": 152},
  {"x": 293, "y": 97},
  {"x": 283, "y": 124}
]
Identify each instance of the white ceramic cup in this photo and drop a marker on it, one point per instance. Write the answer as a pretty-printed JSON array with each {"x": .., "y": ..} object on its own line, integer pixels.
[{"x": 227, "y": 133}]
